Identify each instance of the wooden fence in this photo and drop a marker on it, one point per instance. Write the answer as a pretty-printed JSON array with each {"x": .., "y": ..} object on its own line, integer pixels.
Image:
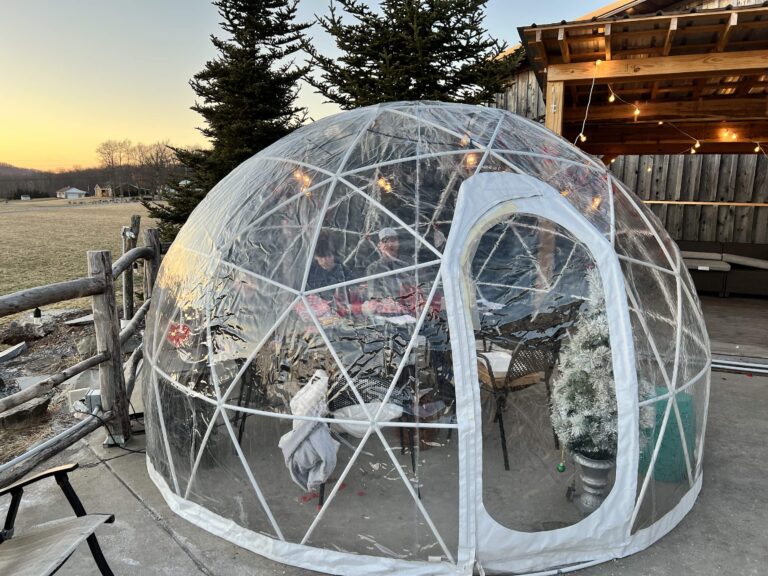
[{"x": 116, "y": 379}]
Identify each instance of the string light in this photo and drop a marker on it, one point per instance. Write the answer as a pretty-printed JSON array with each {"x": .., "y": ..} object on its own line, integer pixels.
[
  {"x": 581, "y": 135},
  {"x": 636, "y": 112},
  {"x": 612, "y": 98},
  {"x": 757, "y": 147},
  {"x": 693, "y": 150},
  {"x": 648, "y": 169},
  {"x": 470, "y": 160},
  {"x": 465, "y": 140},
  {"x": 613, "y": 160},
  {"x": 596, "y": 201},
  {"x": 661, "y": 122},
  {"x": 697, "y": 145},
  {"x": 384, "y": 184},
  {"x": 733, "y": 136},
  {"x": 304, "y": 180}
]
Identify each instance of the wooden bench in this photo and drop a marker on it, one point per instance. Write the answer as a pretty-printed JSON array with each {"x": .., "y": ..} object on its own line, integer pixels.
[{"x": 41, "y": 550}]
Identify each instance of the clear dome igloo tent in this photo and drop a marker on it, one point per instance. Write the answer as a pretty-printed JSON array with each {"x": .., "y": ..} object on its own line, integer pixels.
[{"x": 419, "y": 338}]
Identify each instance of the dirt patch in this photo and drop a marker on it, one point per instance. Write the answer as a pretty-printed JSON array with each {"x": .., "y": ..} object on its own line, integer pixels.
[{"x": 47, "y": 355}]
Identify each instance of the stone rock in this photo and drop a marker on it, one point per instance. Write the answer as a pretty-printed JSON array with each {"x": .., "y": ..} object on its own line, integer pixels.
[
  {"x": 82, "y": 321},
  {"x": 13, "y": 351},
  {"x": 17, "y": 332},
  {"x": 24, "y": 382},
  {"x": 86, "y": 347},
  {"x": 24, "y": 415}
]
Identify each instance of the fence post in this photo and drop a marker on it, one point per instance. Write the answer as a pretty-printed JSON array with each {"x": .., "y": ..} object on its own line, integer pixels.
[
  {"x": 129, "y": 234},
  {"x": 107, "y": 328},
  {"x": 151, "y": 239}
]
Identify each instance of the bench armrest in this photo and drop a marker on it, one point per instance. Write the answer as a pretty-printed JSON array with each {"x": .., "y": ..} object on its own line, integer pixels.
[{"x": 58, "y": 470}]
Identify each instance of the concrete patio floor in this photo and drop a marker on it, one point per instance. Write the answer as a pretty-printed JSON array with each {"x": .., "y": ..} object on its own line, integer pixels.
[{"x": 725, "y": 533}]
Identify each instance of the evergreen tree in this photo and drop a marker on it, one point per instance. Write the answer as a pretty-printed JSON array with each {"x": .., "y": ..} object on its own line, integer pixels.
[
  {"x": 247, "y": 97},
  {"x": 412, "y": 50}
]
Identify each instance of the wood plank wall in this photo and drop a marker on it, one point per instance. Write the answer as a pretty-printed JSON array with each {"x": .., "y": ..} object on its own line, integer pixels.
[{"x": 703, "y": 177}]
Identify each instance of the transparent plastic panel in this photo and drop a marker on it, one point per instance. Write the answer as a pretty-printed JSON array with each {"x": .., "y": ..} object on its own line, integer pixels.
[
  {"x": 294, "y": 351},
  {"x": 634, "y": 238},
  {"x": 177, "y": 323},
  {"x": 539, "y": 318},
  {"x": 155, "y": 440},
  {"x": 222, "y": 483},
  {"x": 375, "y": 497},
  {"x": 700, "y": 392},
  {"x": 244, "y": 312},
  {"x": 372, "y": 345},
  {"x": 585, "y": 188},
  {"x": 279, "y": 246},
  {"x": 694, "y": 345},
  {"x": 325, "y": 142},
  {"x": 648, "y": 363},
  {"x": 357, "y": 239},
  {"x": 422, "y": 193},
  {"x": 243, "y": 194},
  {"x": 468, "y": 127},
  {"x": 390, "y": 136},
  {"x": 655, "y": 294},
  {"x": 520, "y": 135},
  {"x": 186, "y": 421},
  {"x": 668, "y": 481},
  {"x": 294, "y": 507}
]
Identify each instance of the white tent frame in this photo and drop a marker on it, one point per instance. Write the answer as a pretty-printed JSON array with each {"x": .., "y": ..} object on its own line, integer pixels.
[{"x": 605, "y": 534}]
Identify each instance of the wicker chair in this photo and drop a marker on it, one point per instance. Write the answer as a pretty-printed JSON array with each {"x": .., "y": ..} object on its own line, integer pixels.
[{"x": 522, "y": 355}]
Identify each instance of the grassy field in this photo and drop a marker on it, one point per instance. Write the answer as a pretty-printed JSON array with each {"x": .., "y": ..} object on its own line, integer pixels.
[{"x": 46, "y": 241}]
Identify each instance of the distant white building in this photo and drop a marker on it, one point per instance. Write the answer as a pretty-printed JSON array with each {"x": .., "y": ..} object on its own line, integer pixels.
[{"x": 70, "y": 193}]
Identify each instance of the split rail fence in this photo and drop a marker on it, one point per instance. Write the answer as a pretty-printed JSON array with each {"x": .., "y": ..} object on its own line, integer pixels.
[{"x": 116, "y": 379}]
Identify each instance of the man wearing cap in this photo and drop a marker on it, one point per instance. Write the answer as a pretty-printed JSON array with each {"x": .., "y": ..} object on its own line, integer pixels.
[{"x": 385, "y": 291}]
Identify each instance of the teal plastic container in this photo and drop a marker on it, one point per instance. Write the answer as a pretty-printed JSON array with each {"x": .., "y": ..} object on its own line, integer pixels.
[{"x": 670, "y": 463}]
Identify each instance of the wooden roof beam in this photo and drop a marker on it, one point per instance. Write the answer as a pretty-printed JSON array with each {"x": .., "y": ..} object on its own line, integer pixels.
[
  {"x": 683, "y": 66},
  {"x": 562, "y": 40},
  {"x": 754, "y": 11},
  {"x": 608, "y": 41},
  {"x": 669, "y": 37},
  {"x": 729, "y": 24},
  {"x": 539, "y": 44},
  {"x": 725, "y": 107}
]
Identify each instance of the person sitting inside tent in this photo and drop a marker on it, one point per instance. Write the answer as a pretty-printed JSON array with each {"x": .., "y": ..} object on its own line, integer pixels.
[
  {"x": 384, "y": 294},
  {"x": 335, "y": 303}
]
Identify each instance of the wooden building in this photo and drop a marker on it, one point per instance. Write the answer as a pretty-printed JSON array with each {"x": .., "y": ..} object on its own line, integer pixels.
[{"x": 674, "y": 95}]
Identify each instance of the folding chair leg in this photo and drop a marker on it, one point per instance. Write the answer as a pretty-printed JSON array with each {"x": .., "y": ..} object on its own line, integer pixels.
[
  {"x": 77, "y": 506},
  {"x": 502, "y": 436}
]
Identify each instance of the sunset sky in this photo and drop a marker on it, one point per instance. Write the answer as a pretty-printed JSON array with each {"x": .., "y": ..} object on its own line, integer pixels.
[{"x": 74, "y": 73}]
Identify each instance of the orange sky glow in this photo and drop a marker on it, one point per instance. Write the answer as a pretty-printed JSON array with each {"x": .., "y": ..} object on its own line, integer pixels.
[{"x": 77, "y": 73}]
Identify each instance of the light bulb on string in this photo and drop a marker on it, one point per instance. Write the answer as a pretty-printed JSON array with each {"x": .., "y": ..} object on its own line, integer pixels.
[
  {"x": 384, "y": 184},
  {"x": 733, "y": 136},
  {"x": 697, "y": 145},
  {"x": 612, "y": 97},
  {"x": 661, "y": 122},
  {"x": 636, "y": 112},
  {"x": 757, "y": 147},
  {"x": 693, "y": 150},
  {"x": 648, "y": 169},
  {"x": 583, "y": 137}
]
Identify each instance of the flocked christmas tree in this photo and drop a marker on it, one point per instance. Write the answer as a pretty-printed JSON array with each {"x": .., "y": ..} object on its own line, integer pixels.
[
  {"x": 247, "y": 97},
  {"x": 584, "y": 412}
]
